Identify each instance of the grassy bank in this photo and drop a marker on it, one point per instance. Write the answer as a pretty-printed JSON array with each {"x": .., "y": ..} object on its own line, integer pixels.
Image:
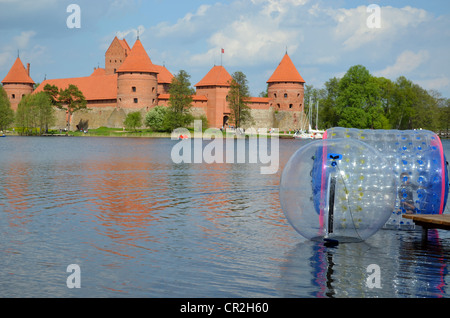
[{"x": 117, "y": 132}]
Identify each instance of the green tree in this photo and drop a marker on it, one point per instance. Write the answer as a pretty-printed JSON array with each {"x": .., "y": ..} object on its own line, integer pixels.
[
  {"x": 45, "y": 111},
  {"x": 358, "y": 89},
  {"x": 133, "y": 120},
  {"x": 327, "y": 109},
  {"x": 264, "y": 93},
  {"x": 401, "y": 111},
  {"x": 35, "y": 114},
  {"x": 425, "y": 109},
  {"x": 154, "y": 119},
  {"x": 70, "y": 99},
  {"x": 444, "y": 115},
  {"x": 180, "y": 102},
  {"x": 6, "y": 112},
  {"x": 238, "y": 97},
  {"x": 23, "y": 116},
  {"x": 353, "y": 117}
]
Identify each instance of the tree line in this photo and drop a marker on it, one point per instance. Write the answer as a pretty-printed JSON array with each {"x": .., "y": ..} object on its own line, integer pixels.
[
  {"x": 361, "y": 100},
  {"x": 36, "y": 112}
]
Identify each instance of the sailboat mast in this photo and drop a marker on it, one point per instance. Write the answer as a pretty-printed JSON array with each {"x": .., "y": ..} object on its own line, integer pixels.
[{"x": 317, "y": 115}]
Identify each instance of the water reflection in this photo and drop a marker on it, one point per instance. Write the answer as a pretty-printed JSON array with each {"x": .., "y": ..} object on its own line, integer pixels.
[
  {"x": 408, "y": 267},
  {"x": 141, "y": 226}
]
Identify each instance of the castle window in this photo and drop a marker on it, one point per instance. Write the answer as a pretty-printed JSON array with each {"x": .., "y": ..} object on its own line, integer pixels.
[
  {"x": 278, "y": 105},
  {"x": 290, "y": 105},
  {"x": 275, "y": 95},
  {"x": 135, "y": 100},
  {"x": 13, "y": 96},
  {"x": 285, "y": 95},
  {"x": 115, "y": 71},
  {"x": 153, "y": 89},
  {"x": 133, "y": 88}
]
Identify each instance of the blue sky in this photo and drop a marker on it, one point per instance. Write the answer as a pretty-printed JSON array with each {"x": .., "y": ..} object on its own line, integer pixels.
[{"x": 323, "y": 38}]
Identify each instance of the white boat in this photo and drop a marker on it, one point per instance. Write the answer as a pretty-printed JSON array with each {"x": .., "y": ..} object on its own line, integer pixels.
[
  {"x": 312, "y": 133},
  {"x": 303, "y": 135},
  {"x": 317, "y": 134}
]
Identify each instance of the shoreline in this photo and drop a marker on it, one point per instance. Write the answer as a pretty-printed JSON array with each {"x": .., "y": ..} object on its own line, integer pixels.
[{"x": 130, "y": 135}]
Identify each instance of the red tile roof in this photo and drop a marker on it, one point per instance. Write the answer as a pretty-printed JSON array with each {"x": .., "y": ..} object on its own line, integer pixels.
[
  {"x": 286, "y": 72},
  {"x": 94, "y": 87},
  {"x": 137, "y": 61},
  {"x": 194, "y": 97},
  {"x": 164, "y": 76},
  {"x": 18, "y": 74},
  {"x": 259, "y": 99},
  {"x": 98, "y": 71},
  {"x": 125, "y": 45},
  {"x": 217, "y": 76}
]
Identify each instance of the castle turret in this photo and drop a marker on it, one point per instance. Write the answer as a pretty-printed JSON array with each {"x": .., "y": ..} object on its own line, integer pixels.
[
  {"x": 115, "y": 55},
  {"x": 137, "y": 83},
  {"x": 286, "y": 87},
  {"x": 18, "y": 83},
  {"x": 215, "y": 86}
]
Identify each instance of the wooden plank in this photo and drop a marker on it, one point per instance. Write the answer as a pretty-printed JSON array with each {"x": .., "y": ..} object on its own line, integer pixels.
[
  {"x": 429, "y": 221},
  {"x": 436, "y": 219}
]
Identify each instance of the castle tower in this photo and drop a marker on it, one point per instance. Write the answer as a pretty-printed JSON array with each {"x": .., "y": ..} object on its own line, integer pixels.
[
  {"x": 18, "y": 83},
  {"x": 215, "y": 86},
  {"x": 137, "y": 84},
  {"x": 116, "y": 55},
  {"x": 164, "y": 79},
  {"x": 286, "y": 87}
]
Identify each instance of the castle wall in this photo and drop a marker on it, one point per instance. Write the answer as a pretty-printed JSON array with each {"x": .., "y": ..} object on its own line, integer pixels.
[{"x": 273, "y": 118}]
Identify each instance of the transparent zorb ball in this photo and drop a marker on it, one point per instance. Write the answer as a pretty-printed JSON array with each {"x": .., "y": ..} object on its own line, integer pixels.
[{"x": 339, "y": 189}]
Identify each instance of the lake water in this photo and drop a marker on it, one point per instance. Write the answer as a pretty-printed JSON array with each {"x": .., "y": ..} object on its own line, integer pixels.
[{"x": 139, "y": 225}]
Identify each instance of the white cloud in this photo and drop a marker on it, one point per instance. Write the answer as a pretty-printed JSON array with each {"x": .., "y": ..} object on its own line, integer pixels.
[
  {"x": 437, "y": 83},
  {"x": 19, "y": 44},
  {"x": 248, "y": 41},
  {"x": 352, "y": 31},
  {"x": 275, "y": 8},
  {"x": 187, "y": 24},
  {"x": 319, "y": 36},
  {"x": 21, "y": 41},
  {"x": 133, "y": 31},
  {"x": 406, "y": 62}
]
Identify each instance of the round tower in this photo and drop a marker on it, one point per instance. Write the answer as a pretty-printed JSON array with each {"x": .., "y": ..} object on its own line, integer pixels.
[
  {"x": 18, "y": 83},
  {"x": 286, "y": 87},
  {"x": 137, "y": 85}
]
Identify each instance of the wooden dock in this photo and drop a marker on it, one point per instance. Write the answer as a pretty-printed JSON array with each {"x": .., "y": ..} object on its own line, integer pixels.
[{"x": 430, "y": 221}]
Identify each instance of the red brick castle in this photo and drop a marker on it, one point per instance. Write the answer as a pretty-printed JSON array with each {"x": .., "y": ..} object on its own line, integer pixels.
[{"x": 131, "y": 82}]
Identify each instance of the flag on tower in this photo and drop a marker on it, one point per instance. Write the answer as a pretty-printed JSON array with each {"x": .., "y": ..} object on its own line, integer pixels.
[{"x": 223, "y": 51}]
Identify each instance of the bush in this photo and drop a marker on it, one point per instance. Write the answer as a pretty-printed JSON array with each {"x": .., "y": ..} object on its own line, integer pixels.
[
  {"x": 155, "y": 118},
  {"x": 133, "y": 120}
]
